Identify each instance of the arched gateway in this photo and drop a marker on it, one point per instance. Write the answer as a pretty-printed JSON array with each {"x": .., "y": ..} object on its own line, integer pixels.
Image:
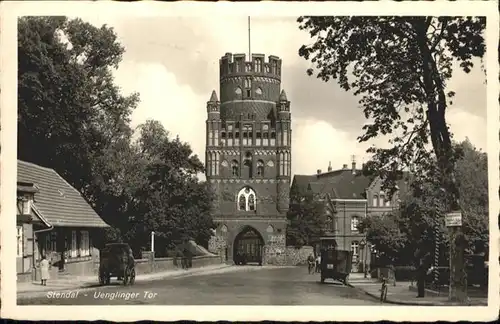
[{"x": 248, "y": 246}]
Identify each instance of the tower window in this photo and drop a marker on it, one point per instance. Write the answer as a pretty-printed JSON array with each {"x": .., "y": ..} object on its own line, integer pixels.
[
  {"x": 247, "y": 135},
  {"x": 258, "y": 65},
  {"x": 229, "y": 139},
  {"x": 248, "y": 86},
  {"x": 265, "y": 141},
  {"x": 237, "y": 139},
  {"x": 258, "y": 91},
  {"x": 223, "y": 138},
  {"x": 273, "y": 138},
  {"x": 248, "y": 67},
  {"x": 258, "y": 138},
  {"x": 234, "y": 168},
  {"x": 247, "y": 199},
  {"x": 274, "y": 67},
  {"x": 260, "y": 168}
]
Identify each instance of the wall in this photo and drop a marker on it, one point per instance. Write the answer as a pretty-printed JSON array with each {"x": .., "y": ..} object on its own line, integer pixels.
[{"x": 290, "y": 256}]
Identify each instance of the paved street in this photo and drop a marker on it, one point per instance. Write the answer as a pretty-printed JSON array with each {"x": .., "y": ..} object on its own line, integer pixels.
[{"x": 267, "y": 286}]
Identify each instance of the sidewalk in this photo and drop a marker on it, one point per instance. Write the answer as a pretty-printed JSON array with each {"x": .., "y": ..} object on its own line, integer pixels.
[
  {"x": 35, "y": 289},
  {"x": 402, "y": 295}
]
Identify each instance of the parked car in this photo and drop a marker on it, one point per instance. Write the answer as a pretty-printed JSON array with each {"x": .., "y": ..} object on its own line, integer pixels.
[{"x": 117, "y": 260}]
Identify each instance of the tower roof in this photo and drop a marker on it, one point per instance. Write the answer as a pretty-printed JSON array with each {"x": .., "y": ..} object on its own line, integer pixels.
[
  {"x": 213, "y": 97},
  {"x": 283, "y": 95}
]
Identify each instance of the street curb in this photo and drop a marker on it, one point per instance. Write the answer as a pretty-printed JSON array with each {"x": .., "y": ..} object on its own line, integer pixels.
[{"x": 414, "y": 303}]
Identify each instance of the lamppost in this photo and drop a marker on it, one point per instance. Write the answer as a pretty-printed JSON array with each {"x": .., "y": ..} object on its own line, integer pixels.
[{"x": 362, "y": 245}]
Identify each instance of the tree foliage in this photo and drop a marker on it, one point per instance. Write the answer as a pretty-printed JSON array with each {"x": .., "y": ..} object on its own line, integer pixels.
[
  {"x": 306, "y": 218},
  {"x": 399, "y": 66},
  {"x": 412, "y": 232},
  {"x": 73, "y": 118}
]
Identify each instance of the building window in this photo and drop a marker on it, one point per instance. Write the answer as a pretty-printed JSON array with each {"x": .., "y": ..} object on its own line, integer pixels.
[
  {"x": 258, "y": 65},
  {"x": 355, "y": 250},
  {"x": 223, "y": 228},
  {"x": 270, "y": 229},
  {"x": 20, "y": 242},
  {"x": 238, "y": 91},
  {"x": 246, "y": 199},
  {"x": 260, "y": 168},
  {"x": 74, "y": 246},
  {"x": 388, "y": 203},
  {"x": 382, "y": 200},
  {"x": 375, "y": 201},
  {"x": 258, "y": 91},
  {"x": 230, "y": 139},
  {"x": 247, "y": 164},
  {"x": 329, "y": 224},
  {"x": 248, "y": 67},
  {"x": 84, "y": 243},
  {"x": 354, "y": 223},
  {"x": 234, "y": 168}
]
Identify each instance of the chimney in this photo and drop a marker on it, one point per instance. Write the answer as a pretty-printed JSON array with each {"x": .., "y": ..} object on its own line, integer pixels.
[
  {"x": 318, "y": 171},
  {"x": 353, "y": 158},
  {"x": 330, "y": 166},
  {"x": 344, "y": 166}
]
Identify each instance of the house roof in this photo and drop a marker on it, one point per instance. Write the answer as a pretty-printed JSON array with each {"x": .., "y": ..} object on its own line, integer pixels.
[
  {"x": 59, "y": 203},
  {"x": 340, "y": 184}
]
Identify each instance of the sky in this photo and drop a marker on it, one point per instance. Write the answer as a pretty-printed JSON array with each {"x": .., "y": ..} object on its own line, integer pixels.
[{"x": 173, "y": 63}]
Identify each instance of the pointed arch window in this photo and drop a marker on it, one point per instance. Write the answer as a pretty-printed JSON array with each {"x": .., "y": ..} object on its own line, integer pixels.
[
  {"x": 242, "y": 203},
  {"x": 234, "y": 168},
  {"x": 247, "y": 135},
  {"x": 247, "y": 199},
  {"x": 375, "y": 201}
]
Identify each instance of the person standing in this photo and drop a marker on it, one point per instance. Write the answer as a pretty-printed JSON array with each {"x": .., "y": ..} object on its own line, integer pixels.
[
  {"x": 310, "y": 263},
  {"x": 421, "y": 272},
  {"x": 44, "y": 270},
  {"x": 318, "y": 263}
]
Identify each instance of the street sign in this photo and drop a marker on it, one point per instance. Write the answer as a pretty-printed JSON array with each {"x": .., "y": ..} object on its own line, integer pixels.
[{"x": 453, "y": 219}]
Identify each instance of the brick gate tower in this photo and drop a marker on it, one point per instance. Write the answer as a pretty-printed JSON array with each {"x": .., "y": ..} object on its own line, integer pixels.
[{"x": 248, "y": 159}]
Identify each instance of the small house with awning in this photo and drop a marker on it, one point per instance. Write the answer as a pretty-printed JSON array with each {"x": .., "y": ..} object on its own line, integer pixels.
[{"x": 53, "y": 220}]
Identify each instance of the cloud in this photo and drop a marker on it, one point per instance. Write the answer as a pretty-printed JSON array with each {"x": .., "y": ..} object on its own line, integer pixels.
[
  {"x": 180, "y": 110},
  {"x": 174, "y": 64},
  {"x": 316, "y": 143}
]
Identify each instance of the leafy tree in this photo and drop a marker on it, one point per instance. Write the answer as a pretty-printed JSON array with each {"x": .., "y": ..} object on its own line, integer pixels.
[
  {"x": 384, "y": 233},
  {"x": 472, "y": 179},
  {"x": 399, "y": 66},
  {"x": 306, "y": 219},
  {"x": 173, "y": 203},
  {"x": 413, "y": 232},
  {"x": 73, "y": 118},
  {"x": 70, "y": 113}
]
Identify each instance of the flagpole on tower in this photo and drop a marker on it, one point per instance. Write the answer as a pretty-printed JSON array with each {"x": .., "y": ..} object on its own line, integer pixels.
[{"x": 249, "y": 48}]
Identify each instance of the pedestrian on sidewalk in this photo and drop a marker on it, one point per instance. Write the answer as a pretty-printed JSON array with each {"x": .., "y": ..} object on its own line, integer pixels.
[
  {"x": 44, "y": 270},
  {"x": 310, "y": 263},
  {"x": 421, "y": 272},
  {"x": 318, "y": 263}
]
